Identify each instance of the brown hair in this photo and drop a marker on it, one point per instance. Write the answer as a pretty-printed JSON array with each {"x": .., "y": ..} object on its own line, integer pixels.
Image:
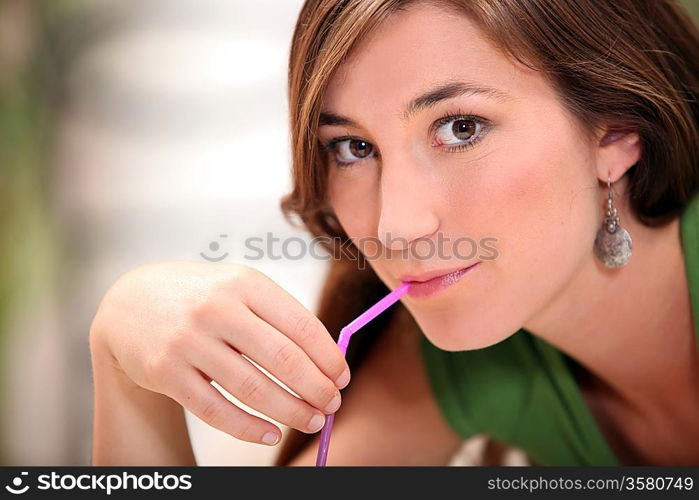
[{"x": 633, "y": 64}]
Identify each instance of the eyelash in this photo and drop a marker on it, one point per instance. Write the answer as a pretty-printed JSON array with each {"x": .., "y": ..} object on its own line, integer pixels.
[{"x": 331, "y": 145}]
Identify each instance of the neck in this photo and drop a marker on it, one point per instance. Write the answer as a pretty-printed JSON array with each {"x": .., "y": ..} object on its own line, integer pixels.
[{"x": 630, "y": 327}]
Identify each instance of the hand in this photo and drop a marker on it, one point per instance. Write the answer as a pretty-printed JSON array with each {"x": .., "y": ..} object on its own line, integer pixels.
[{"x": 173, "y": 327}]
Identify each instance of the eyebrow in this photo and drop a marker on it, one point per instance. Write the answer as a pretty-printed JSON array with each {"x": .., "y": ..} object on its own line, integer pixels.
[{"x": 426, "y": 100}]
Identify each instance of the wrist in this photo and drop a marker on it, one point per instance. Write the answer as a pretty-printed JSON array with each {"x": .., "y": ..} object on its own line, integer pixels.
[
  {"x": 105, "y": 366},
  {"x": 126, "y": 414}
]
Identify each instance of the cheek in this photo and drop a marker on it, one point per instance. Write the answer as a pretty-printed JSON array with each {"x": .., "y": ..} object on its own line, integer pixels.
[
  {"x": 539, "y": 200},
  {"x": 544, "y": 205},
  {"x": 355, "y": 209}
]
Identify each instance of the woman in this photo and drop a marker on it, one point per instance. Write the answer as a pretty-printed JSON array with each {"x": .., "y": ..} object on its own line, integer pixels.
[{"x": 559, "y": 139}]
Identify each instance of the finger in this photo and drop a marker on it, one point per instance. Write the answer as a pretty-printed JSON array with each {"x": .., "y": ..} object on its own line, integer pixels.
[
  {"x": 250, "y": 386},
  {"x": 281, "y": 310},
  {"x": 283, "y": 359},
  {"x": 194, "y": 393}
]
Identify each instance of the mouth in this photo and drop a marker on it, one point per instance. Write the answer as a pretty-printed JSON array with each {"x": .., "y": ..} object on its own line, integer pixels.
[{"x": 429, "y": 284}]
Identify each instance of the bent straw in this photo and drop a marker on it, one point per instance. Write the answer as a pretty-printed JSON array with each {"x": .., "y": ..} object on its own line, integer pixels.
[{"x": 342, "y": 342}]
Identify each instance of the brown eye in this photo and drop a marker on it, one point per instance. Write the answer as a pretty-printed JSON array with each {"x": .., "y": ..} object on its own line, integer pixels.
[
  {"x": 359, "y": 148},
  {"x": 349, "y": 151},
  {"x": 460, "y": 131},
  {"x": 463, "y": 129}
]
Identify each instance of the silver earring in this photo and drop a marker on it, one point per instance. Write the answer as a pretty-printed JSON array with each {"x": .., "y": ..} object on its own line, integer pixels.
[{"x": 613, "y": 243}]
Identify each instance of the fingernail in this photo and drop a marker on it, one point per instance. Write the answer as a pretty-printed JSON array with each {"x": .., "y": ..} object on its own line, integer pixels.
[
  {"x": 334, "y": 404},
  {"x": 343, "y": 379},
  {"x": 316, "y": 423},
  {"x": 270, "y": 438}
]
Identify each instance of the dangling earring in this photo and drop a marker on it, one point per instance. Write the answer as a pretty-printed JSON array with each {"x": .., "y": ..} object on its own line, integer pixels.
[{"x": 613, "y": 243}]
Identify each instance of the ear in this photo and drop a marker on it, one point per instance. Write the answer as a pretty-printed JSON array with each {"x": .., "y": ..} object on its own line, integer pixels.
[{"x": 617, "y": 151}]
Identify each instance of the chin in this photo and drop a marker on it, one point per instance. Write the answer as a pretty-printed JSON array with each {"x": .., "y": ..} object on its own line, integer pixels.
[{"x": 463, "y": 338}]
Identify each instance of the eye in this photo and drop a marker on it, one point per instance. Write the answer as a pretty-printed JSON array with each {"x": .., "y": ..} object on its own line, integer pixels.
[
  {"x": 458, "y": 130},
  {"x": 354, "y": 149},
  {"x": 349, "y": 150}
]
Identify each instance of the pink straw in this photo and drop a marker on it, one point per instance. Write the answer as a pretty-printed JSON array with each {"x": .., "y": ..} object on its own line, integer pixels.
[{"x": 342, "y": 343}]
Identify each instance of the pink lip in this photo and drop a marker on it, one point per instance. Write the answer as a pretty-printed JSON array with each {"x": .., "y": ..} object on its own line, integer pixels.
[{"x": 429, "y": 284}]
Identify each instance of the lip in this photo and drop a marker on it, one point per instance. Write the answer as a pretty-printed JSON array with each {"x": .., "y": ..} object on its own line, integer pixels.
[{"x": 428, "y": 284}]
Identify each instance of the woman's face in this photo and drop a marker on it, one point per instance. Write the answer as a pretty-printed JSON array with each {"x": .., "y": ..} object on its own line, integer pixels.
[{"x": 499, "y": 175}]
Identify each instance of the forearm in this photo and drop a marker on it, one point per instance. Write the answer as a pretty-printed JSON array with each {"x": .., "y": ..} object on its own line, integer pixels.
[{"x": 134, "y": 426}]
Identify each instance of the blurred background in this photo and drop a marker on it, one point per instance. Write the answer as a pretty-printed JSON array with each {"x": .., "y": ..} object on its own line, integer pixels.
[{"x": 132, "y": 132}]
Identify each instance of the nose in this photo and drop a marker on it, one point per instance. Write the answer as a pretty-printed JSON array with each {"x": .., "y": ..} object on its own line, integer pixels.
[{"x": 407, "y": 208}]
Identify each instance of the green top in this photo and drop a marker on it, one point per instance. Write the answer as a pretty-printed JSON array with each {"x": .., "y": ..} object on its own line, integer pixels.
[{"x": 522, "y": 391}]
